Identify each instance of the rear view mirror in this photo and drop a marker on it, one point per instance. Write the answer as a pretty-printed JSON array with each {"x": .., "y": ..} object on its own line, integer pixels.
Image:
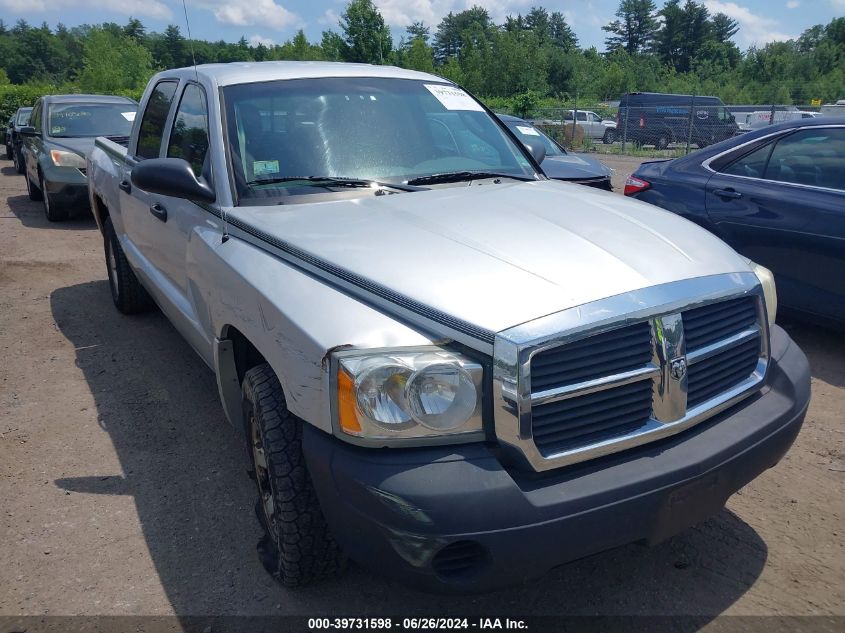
[
  {"x": 171, "y": 177},
  {"x": 537, "y": 149},
  {"x": 27, "y": 130}
]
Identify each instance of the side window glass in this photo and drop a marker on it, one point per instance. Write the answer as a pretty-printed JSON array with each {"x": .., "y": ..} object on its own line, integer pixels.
[
  {"x": 36, "y": 117},
  {"x": 155, "y": 116},
  {"x": 582, "y": 116},
  {"x": 189, "y": 136},
  {"x": 813, "y": 157},
  {"x": 751, "y": 165}
]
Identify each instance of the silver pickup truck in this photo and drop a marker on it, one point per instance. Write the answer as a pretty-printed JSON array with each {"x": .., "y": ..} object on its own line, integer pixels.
[{"x": 444, "y": 365}]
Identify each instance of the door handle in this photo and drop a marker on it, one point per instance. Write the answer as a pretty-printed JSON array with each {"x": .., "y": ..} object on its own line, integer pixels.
[
  {"x": 727, "y": 193},
  {"x": 159, "y": 212},
  {"x": 125, "y": 185}
]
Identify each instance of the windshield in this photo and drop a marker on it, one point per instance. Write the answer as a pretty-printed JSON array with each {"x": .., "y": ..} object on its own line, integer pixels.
[
  {"x": 526, "y": 132},
  {"x": 91, "y": 119},
  {"x": 23, "y": 117},
  {"x": 389, "y": 130}
]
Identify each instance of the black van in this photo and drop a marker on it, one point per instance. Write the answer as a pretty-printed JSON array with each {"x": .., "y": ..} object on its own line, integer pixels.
[{"x": 654, "y": 118}]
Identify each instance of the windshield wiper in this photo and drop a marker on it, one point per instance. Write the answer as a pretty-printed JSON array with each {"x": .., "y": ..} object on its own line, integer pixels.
[
  {"x": 459, "y": 176},
  {"x": 337, "y": 181}
]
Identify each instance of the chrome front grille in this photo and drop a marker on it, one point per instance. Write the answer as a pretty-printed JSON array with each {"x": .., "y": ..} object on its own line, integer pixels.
[
  {"x": 618, "y": 379},
  {"x": 601, "y": 355},
  {"x": 716, "y": 321},
  {"x": 595, "y": 417}
]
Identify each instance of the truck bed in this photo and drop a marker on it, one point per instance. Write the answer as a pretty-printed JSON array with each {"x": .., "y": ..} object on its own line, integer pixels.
[{"x": 114, "y": 145}]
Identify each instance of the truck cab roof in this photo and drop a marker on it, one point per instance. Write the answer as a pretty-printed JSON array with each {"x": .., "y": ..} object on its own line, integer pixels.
[{"x": 253, "y": 72}]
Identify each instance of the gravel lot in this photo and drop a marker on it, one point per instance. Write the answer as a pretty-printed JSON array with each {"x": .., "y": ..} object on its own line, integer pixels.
[{"x": 122, "y": 489}]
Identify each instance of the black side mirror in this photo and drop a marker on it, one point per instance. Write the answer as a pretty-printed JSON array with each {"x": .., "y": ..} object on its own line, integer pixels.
[
  {"x": 537, "y": 149},
  {"x": 171, "y": 177},
  {"x": 27, "y": 130}
]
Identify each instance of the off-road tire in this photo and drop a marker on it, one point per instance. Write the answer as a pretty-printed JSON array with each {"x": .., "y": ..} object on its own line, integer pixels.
[
  {"x": 32, "y": 191},
  {"x": 51, "y": 211},
  {"x": 609, "y": 137},
  {"x": 297, "y": 548},
  {"x": 129, "y": 296}
]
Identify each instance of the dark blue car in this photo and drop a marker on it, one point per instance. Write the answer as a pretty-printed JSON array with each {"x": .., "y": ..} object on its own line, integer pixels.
[{"x": 776, "y": 195}]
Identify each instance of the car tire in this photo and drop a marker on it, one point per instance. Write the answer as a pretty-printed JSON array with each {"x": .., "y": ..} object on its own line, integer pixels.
[
  {"x": 53, "y": 212},
  {"x": 129, "y": 296},
  {"x": 298, "y": 548},
  {"x": 609, "y": 137},
  {"x": 20, "y": 166},
  {"x": 32, "y": 191},
  {"x": 662, "y": 141},
  {"x": 8, "y": 153}
]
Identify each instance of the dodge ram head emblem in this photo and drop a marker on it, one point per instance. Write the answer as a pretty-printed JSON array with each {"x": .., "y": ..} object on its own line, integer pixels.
[{"x": 678, "y": 368}]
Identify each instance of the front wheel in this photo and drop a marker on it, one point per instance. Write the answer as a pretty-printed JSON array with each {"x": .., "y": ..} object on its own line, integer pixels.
[
  {"x": 128, "y": 294},
  {"x": 32, "y": 191},
  {"x": 609, "y": 137},
  {"x": 20, "y": 166},
  {"x": 8, "y": 152},
  {"x": 298, "y": 548},
  {"x": 54, "y": 212},
  {"x": 662, "y": 141}
]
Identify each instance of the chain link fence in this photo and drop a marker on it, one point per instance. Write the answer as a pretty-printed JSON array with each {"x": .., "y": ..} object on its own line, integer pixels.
[{"x": 666, "y": 126}]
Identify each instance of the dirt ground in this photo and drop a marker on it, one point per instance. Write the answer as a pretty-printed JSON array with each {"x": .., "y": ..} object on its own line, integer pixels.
[{"x": 122, "y": 489}]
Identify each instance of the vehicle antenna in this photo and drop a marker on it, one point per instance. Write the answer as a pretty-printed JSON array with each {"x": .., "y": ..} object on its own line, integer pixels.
[
  {"x": 190, "y": 40},
  {"x": 197, "y": 77}
]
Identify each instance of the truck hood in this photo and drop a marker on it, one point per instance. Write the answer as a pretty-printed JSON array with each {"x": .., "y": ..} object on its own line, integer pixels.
[{"x": 498, "y": 255}]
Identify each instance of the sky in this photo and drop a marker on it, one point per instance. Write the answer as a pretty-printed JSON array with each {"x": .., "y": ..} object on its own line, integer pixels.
[{"x": 275, "y": 21}]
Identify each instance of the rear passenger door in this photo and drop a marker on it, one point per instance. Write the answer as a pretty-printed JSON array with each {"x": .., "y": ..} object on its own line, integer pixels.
[
  {"x": 783, "y": 205},
  {"x": 165, "y": 224}
]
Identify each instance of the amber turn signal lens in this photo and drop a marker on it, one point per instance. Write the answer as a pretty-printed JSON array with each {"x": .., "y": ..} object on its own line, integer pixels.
[{"x": 347, "y": 413}]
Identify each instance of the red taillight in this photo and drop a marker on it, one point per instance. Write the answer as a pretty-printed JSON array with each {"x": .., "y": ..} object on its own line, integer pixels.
[
  {"x": 635, "y": 185},
  {"x": 642, "y": 121}
]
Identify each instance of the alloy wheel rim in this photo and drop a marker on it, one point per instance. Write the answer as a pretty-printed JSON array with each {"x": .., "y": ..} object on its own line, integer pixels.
[{"x": 262, "y": 478}]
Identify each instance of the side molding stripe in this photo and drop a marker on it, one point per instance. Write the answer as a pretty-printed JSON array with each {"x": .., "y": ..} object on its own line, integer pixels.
[{"x": 370, "y": 291}]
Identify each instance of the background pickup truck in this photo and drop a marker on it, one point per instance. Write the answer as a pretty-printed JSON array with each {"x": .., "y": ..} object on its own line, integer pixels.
[{"x": 443, "y": 365}]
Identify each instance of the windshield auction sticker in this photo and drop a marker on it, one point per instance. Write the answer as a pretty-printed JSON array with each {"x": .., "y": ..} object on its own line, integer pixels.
[
  {"x": 453, "y": 98},
  {"x": 526, "y": 129}
]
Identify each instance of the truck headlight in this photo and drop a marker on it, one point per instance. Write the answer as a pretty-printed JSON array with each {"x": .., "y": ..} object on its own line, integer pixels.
[
  {"x": 408, "y": 394},
  {"x": 62, "y": 158},
  {"x": 767, "y": 280}
]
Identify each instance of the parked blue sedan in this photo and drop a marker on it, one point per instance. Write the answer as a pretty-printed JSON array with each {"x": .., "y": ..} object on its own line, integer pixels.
[{"x": 777, "y": 195}]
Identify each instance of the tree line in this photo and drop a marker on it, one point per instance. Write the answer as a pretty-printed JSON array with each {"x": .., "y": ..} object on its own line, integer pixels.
[{"x": 529, "y": 60}]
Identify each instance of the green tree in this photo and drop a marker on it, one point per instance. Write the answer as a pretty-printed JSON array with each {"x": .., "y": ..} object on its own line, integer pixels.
[
  {"x": 635, "y": 27},
  {"x": 724, "y": 27},
  {"x": 417, "y": 30},
  {"x": 332, "y": 46},
  {"x": 298, "y": 49},
  {"x": 456, "y": 29},
  {"x": 135, "y": 29},
  {"x": 114, "y": 63},
  {"x": 419, "y": 56},
  {"x": 561, "y": 33},
  {"x": 366, "y": 36}
]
